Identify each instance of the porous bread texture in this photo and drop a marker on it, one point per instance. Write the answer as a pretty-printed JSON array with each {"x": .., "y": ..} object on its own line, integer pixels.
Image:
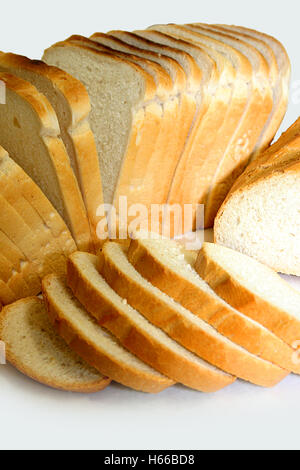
[
  {"x": 253, "y": 289},
  {"x": 30, "y": 133},
  {"x": 96, "y": 345},
  {"x": 33, "y": 347},
  {"x": 71, "y": 103},
  {"x": 263, "y": 222},
  {"x": 167, "y": 266},
  {"x": 260, "y": 214},
  {"x": 187, "y": 329},
  {"x": 117, "y": 91},
  {"x": 136, "y": 333}
]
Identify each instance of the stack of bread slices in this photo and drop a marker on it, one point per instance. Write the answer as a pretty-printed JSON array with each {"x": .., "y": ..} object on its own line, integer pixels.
[
  {"x": 178, "y": 111},
  {"x": 154, "y": 315}
]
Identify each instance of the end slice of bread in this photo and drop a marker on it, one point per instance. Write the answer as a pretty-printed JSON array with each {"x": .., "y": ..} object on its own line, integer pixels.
[{"x": 33, "y": 347}]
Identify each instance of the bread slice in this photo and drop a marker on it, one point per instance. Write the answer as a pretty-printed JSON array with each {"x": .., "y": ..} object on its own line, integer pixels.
[
  {"x": 284, "y": 68},
  {"x": 143, "y": 339},
  {"x": 30, "y": 133},
  {"x": 71, "y": 104},
  {"x": 156, "y": 147},
  {"x": 125, "y": 111},
  {"x": 167, "y": 266},
  {"x": 242, "y": 141},
  {"x": 253, "y": 288},
  {"x": 261, "y": 207},
  {"x": 33, "y": 347},
  {"x": 95, "y": 344}
]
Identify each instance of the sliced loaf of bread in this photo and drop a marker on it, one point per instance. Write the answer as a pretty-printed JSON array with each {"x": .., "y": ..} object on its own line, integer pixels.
[
  {"x": 30, "y": 133},
  {"x": 135, "y": 332},
  {"x": 164, "y": 263},
  {"x": 34, "y": 348},
  {"x": 253, "y": 289}
]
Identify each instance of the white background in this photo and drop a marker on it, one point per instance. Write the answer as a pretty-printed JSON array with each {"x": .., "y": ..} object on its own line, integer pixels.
[{"x": 240, "y": 417}]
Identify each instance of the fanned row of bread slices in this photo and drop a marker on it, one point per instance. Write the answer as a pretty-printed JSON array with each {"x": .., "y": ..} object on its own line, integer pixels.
[{"x": 153, "y": 315}]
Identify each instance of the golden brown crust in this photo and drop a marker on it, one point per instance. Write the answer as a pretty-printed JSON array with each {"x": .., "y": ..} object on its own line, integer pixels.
[
  {"x": 70, "y": 194},
  {"x": 17, "y": 362},
  {"x": 281, "y": 323},
  {"x": 41, "y": 220},
  {"x": 135, "y": 338},
  {"x": 32, "y": 205},
  {"x": 37, "y": 260},
  {"x": 228, "y": 322},
  {"x": 72, "y": 89},
  {"x": 117, "y": 369}
]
